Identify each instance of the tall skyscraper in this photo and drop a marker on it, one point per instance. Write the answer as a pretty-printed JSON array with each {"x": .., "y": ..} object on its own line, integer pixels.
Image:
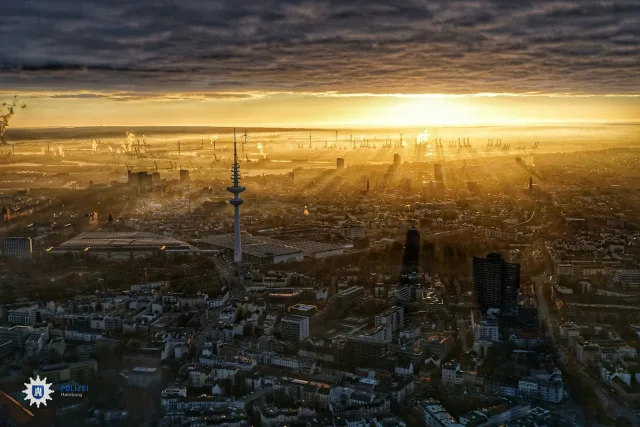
[
  {"x": 236, "y": 189},
  {"x": 397, "y": 160},
  {"x": 437, "y": 172},
  {"x": 496, "y": 284},
  {"x": 411, "y": 256},
  {"x": 339, "y": 163}
]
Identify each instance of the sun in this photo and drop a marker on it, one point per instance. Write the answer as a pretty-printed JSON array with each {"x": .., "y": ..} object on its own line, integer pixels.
[{"x": 428, "y": 110}]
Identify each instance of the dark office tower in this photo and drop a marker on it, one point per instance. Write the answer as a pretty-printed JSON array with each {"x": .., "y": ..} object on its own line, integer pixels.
[
  {"x": 511, "y": 292},
  {"x": 339, "y": 163},
  {"x": 405, "y": 184},
  {"x": 496, "y": 284},
  {"x": 411, "y": 257},
  {"x": 184, "y": 175},
  {"x": 397, "y": 160},
  {"x": 530, "y": 183},
  {"x": 437, "y": 172}
]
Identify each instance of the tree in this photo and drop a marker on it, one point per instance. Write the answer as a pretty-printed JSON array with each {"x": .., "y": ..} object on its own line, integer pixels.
[{"x": 7, "y": 111}]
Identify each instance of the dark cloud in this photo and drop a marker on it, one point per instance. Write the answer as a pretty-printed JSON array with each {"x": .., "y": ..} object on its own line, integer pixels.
[
  {"x": 143, "y": 96},
  {"x": 372, "y": 46}
]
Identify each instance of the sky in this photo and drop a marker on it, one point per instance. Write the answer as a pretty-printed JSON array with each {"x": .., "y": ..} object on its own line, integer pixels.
[{"x": 320, "y": 63}]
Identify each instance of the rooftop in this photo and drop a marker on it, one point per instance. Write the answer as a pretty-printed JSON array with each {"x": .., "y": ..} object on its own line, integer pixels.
[
  {"x": 144, "y": 370},
  {"x": 124, "y": 240},
  {"x": 261, "y": 246},
  {"x": 293, "y": 318},
  {"x": 303, "y": 307},
  {"x": 389, "y": 311},
  {"x": 350, "y": 291}
]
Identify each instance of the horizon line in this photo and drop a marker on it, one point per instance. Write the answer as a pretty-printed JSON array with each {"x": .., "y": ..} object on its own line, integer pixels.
[{"x": 332, "y": 126}]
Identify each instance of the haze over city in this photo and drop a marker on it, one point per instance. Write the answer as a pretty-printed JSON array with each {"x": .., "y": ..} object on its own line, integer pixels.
[{"x": 320, "y": 213}]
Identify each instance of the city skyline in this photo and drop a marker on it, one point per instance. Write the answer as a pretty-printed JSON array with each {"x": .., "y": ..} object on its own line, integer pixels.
[{"x": 320, "y": 213}]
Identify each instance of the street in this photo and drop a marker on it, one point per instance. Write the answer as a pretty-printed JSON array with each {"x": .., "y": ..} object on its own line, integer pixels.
[{"x": 610, "y": 403}]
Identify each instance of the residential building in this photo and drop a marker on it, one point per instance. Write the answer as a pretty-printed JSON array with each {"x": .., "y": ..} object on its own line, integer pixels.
[
  {"x": 609, "y": 373},
  {"x": 588, "y": 353},
  {"x": 436, "y": 416},
  {"x": 485, "y": 329},
  {"x": 350, "y": 297},
  {"x": 143, "y": 377},
  {"x": 81, "y": 371},
  {"x": 450, "y": 372},
  {"x": 294, "y": 327},
  {"x": 25, "y": 316},
  {"x": 303, "y": 310},
  {"x": 393, "y": 317},
  {"x": 366, "y": 352}
]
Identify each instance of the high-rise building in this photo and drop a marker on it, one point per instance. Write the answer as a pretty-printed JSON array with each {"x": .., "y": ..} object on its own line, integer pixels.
[
  {"x": 496, "y": 284},
  {"x": 437, "y": 172},
  {"x": 350, "y": 297},
  {"x": 339, "y": 163},
  {"x": 397, "y": 160},
  {"x": 393, "y": 317},
  {"x": 17, "y": 247},
  {"x": 411, "y": 256},
  {"x": 294, "y": 327},
  {"x": 404, "y": 293},
  {"x": 184, "y": 175}
]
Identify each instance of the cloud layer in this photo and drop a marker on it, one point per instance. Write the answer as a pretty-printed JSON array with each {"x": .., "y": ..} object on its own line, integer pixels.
[{"x": 360, "y": 46}]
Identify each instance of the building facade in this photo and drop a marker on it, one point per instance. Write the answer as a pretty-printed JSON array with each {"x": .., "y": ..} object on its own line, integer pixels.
[
  {"x": 295, "y": 327},
  {"x": 17, "y": 247},
  {"x": 496, "y": 284},
  {"x": 393, "y": 317}
]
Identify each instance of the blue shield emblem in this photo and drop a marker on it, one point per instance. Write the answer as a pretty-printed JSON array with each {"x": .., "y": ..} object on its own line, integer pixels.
[{"x": 37, "y": 391}]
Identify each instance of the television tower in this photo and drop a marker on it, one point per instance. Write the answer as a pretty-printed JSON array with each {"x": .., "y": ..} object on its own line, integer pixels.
[{"x": 236, "y": 189}]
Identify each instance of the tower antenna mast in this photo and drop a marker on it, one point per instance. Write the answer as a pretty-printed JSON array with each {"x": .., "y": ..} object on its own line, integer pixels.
[{"x": 236, "y": 201}]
